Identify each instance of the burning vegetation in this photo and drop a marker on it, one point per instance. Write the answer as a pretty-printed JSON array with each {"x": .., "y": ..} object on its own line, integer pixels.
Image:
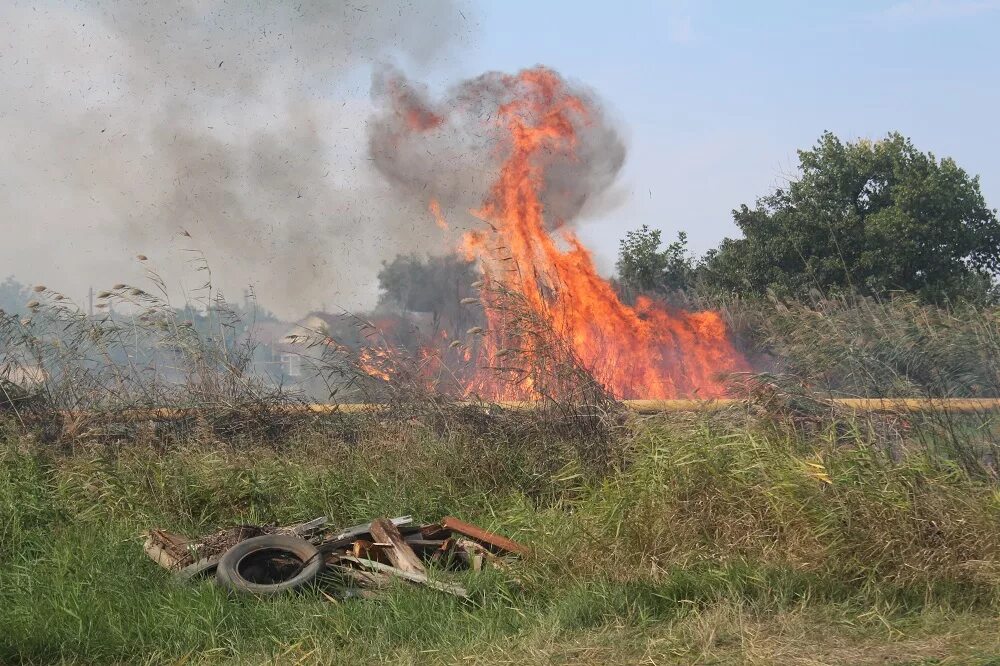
[{"x": 552, "y": 150}]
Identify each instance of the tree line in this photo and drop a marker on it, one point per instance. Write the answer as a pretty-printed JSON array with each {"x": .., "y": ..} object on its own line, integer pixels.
[{"x": 864, "y": 217}]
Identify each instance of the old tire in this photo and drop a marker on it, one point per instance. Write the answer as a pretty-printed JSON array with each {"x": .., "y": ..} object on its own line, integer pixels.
[{"x": 270, "y": 564}]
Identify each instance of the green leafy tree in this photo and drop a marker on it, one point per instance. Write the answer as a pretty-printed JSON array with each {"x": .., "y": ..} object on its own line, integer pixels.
[
  {"x": 867, "y": 217},
  {"x": 643, "y": 265},
  {"x": 435, "y": 284},
  {"x": 425, "y": 284}
]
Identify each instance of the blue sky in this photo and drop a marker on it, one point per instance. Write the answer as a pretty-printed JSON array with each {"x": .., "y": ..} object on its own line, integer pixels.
[{"x": 715, "y": 97}]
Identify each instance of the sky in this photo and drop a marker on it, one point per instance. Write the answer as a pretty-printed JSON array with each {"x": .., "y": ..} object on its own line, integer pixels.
[
  {"x": 716, "y": 97},
  {"x": 713, "y": 99}
]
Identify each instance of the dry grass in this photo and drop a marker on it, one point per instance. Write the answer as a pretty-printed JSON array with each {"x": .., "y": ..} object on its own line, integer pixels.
[
  {"x": 68, "y": 377},
  {"x": 866, "y": 347},
  {"x": 450, "y": 387},
  {"x": 725, "y": 633}
]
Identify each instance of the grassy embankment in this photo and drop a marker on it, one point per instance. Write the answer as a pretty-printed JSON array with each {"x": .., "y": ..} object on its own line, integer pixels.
[{"x": 710, "y": 543}]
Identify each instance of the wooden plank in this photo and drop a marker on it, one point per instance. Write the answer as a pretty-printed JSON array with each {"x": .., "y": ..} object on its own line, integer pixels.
[
  {"x": 332, "y": 546},
  {"x": 361, "y": 548},
  {"x": 479, "y": 534},
  {"x": 371, "y": 551},
  {"x": 424, "y": 545},
  {"x": 478, "y": 553},
  {"x": 344, "y": 540},
  {"x": 160, "y": 555},
  {"x": 205, "y": 567},
  {"x": 400, "y": 553},
  {"x": 420, "y": 579},
  {"x": 176, "y": 545},
  {"x": 359, "y": 531},
  {"x": 363, "y": 577},
  {"x": 304, "y": 529},
  {"x": 434, "y": 531},
  {"x": 443, "y": 551}
]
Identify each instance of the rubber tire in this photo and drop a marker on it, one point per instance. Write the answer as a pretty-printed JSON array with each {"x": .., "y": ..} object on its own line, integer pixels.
[{"x": 228, "y": 576}]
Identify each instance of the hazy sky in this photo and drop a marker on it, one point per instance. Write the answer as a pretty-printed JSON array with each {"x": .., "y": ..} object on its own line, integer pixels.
[{"x": 712, "y": 97}]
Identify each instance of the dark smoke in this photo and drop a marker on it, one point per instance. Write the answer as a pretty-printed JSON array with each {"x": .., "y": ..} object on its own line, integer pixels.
[
  {"x": 452, "y": 148},
  {"x": 238, "y": 121}
]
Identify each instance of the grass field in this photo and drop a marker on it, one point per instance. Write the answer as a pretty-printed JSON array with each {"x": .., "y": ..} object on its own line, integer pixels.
[{"x": 706, "y": 543}]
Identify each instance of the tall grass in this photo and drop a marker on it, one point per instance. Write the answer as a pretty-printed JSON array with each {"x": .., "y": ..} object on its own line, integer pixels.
[
  {"x": 69, "y": 376},
  {"x": 454, "y": 387},
  {"x": 701, "y": 517},
  {"x": 658, "y": 539},
  {"x": 867, "y": 347}
]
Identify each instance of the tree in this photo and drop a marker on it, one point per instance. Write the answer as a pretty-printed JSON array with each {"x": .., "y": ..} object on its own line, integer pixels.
[
  {"x": 643, "y": 266},
  {"x": 435, "y": 284},
  {"x": 429, "y": 284},
  {"x": 867, "y": 217}
]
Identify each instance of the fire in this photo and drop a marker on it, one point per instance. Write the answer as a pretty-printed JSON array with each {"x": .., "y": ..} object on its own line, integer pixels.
[
  {"x": 435, "y": 208},
  {"x": 376, "y": 363},
  {"x": 645, "y": 351}
]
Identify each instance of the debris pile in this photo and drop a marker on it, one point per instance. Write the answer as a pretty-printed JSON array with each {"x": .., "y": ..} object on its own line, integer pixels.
[{"x": 358, "y": 560}]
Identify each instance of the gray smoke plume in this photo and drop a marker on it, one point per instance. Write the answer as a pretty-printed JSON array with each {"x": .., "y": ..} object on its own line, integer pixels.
[
  {"x": 452, "y": 149},
  {"x": 239, "y": 122}
]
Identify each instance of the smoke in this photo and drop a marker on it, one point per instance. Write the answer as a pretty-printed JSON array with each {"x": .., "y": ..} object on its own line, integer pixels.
[
  {"x": 239, "y": 122},
  {"x": 452, "y": 149}
]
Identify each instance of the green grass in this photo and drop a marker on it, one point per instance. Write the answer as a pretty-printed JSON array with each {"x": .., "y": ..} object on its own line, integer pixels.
[{"x": 711, "y": 544}]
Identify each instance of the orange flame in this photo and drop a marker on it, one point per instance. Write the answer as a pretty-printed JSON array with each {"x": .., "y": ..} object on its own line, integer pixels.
[
  {"x": 645, "y": 351},
  {"x": 375, "y": 363},
  {"x": 435, "y": 208}
]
